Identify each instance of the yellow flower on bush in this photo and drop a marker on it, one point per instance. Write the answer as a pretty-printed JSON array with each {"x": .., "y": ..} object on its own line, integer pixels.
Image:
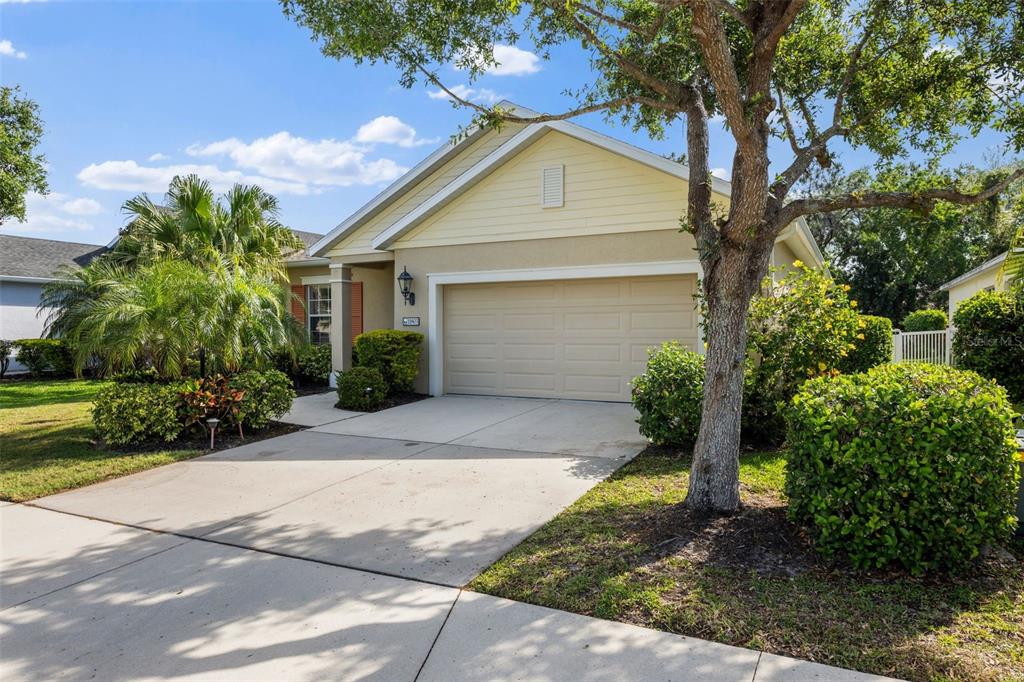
[
  {"x": 853, "y": 304},
  {"x": 798, "y": 264},
  {"x": 860, "y": 336}
]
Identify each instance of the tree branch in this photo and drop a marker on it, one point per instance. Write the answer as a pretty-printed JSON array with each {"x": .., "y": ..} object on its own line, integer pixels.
[
  {"x": 710, "y": 34},
  {"x": 924, "y": 200},
  {"x": 790, "y": 131}
]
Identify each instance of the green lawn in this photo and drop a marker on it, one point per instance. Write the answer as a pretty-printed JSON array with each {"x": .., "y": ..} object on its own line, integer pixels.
[
  {"x": 626, "y": 551},
  {"x": 46, "y": 439}
]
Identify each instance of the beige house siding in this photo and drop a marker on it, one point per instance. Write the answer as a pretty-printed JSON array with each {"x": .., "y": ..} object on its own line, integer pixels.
[
  {"x": 359, "y": 241},
  {"x": 378, "y": 302},
  {"x": 663, "y": 245},
  {"x": 605, "y": 193},
  {"x": 969, "y": 287},
  {"x": 295, "y": 275}
]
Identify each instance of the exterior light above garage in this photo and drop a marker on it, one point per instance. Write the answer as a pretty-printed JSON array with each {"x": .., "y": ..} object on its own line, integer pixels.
[{"x": 405, "y": 286}]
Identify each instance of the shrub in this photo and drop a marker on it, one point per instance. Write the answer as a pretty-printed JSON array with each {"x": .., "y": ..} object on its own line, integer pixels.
[
  {"x": 871, "y": 347},
  {"x": 910, "y": 464},
  {"x": 267, "y": 395},
  {"x": 147, "y": 375},
  {"x": 6, "y": 347},
  {"x": 989, "y": 338},
  {"x": 45, "y": 355},
  {"x": 361, "y": 389},
  {"x": 395, "y": 353},
  {"x": 669, "y": 394},
  {"x": 314, "y": 364},
  {"x": 801, "y": 327},
  {"x": 124, "y": 414},
  {"x": 210, "y": 398},
  {"x": 930, "y": 320}
]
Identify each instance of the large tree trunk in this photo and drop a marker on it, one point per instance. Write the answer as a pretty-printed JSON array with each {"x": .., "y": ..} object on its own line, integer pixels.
[{"x": 729, "y": 285}]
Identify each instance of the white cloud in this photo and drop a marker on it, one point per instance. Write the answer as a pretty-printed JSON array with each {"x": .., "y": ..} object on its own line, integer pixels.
[
  {"x": 43, "y": 214},
  {"x": 512, "y": 61},
  {"x": 129, "y": 176},
  {"x": 389, "y": 130},
  {"x": 478, "y": 95},
  {"x": 7, "y": 50},
  {"x": 326, "y": 162},
  {"x": 722, "y": 173},
  {"x": 158, "y": 157}
]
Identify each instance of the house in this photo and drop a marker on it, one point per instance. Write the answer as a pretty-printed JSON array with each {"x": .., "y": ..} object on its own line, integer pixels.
[
  {"x": 26, "y": 264},
  {"x": 545, "y": 259},
  {"x": 982, "y": 278}
]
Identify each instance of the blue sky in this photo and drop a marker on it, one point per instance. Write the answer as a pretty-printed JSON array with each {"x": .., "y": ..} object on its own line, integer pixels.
[{"x": 132, "y": 92}]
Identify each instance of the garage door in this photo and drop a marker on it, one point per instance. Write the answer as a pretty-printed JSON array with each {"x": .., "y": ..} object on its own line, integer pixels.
[{"x": 580, "y": 339}]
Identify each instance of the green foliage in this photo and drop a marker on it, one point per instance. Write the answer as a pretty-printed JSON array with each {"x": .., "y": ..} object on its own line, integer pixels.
[
  {"x": 361, "y": 389},
  {"x": 21, "y": 169},
  {"x": 124, "y": 414},
  {"x": 896, "y": 260},
  {"x": 209, "y": 398},
  {"x": 268, "y": 394},
  {"x": 872, "y": 345},
  {"x": 911, "y": 464},
  {"x": 801, "y": 327},
  {"x": 147, "y": 375},
  {"x": 989, "y": 338},
  {"x": 669, "y": 394},
  {"x": 44, "y": 355},
  {"x": 395, "y": 353},
  {"x": 6, "y": 348},
  {"x": 193, "y": 278},
  {"x": 314, "y": 363},
  {"x": 928, "y": 320}
]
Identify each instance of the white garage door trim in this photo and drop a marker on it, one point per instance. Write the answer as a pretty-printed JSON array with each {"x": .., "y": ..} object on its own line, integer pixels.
[{"x": 436, "y": 280}]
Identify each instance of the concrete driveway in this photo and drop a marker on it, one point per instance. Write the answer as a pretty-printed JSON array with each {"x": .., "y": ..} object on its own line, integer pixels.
[{"x": 335, "y": 553}]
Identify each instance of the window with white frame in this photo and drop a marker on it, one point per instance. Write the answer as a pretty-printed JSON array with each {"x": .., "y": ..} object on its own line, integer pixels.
[{"x": 318, "y": 313}]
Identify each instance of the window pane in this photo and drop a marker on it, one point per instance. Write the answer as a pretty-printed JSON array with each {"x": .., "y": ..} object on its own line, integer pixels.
[{"x": 320, "y": 329}]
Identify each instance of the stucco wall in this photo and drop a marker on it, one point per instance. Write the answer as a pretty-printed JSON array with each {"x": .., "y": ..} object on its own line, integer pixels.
[
  {"x": 378, "y": 295},
  {"x": 970, "y": 287}
]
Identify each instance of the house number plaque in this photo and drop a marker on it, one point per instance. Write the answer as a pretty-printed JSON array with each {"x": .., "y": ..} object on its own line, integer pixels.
[{"x": 410, "y": 321}]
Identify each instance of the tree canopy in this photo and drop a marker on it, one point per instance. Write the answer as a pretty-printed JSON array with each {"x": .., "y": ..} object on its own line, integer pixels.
[{"x": 22, "y": 170}]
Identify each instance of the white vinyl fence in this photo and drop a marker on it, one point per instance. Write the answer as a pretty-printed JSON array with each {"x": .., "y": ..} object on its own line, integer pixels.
[{"x": 922, "y": 346}]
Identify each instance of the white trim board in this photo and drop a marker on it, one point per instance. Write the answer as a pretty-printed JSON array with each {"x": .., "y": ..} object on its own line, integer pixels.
[{"x": 437, "y": 280}]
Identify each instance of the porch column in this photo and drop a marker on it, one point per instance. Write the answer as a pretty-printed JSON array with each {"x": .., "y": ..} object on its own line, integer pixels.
[{"x": 341, "y": 319}]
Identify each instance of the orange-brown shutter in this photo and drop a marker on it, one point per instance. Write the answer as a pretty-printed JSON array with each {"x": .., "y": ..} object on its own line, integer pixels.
[
  {"x": 357, "y": 309},
  {"x": 299, "y": 303}
]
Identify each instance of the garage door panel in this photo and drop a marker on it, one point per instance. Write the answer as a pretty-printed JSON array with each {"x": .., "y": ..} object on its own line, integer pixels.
[{"x": 583, "y": 339}]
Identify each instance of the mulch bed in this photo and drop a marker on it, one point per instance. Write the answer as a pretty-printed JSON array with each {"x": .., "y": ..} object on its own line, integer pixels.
[
  {"x": 396, "y": 400},
  {"x": 200, "y": 440}
]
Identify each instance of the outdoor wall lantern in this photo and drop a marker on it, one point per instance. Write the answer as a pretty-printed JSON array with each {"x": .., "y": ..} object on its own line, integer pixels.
[{"x": 405, "y": 286}]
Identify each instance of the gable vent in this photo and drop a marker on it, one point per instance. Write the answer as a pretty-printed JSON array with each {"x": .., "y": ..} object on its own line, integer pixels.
[{"x": 552, "y": 185}]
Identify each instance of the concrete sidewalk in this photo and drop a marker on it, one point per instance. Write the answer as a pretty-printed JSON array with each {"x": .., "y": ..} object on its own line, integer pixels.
[{"x": 116, "y": 603}]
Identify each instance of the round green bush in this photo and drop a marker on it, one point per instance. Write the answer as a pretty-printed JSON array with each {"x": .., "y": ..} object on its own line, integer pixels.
[
  {"x": 314, "y": 363},
  {"x": 930, "y": 320},
  {"x": 909, "y": 464},
  {"x": 872, "y": 345},
  {"x": 125, "y": 414},
  {"x": 669, "y": 394},
  {"x": 395, "y": 353},
  {"x": 268, "y": 395},
  {"x": 989, "y": 338},
  {"x": 361, "y": 389}
]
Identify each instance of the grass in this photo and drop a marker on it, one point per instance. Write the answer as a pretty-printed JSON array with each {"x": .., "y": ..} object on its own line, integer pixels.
[
  {"x": 617, "y": 554},
  {"x": 46, "y": 439}
]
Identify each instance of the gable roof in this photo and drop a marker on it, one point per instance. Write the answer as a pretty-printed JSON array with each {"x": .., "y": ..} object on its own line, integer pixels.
[
  {"x": 513, "y": 146},
  {"x": 984, "y": 267},
  {"x": 32, "y": 259},
  {"x": 406, "y": 182}
]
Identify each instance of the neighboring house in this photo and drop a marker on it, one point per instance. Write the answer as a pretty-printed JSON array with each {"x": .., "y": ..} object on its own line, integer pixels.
[
  {"x": 545, "y": 260},
  {"x": 26, "y": 264},
  {"x": 982, "y": 278}
]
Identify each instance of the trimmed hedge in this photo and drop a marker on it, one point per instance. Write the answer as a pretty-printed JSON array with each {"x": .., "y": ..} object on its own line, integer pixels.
[
  {"x": 930, "y": 320},
  {"x": 909, "y": 464},
  {"x": 395, "y": 353},
  {"x": 268, "y": 395},
  {"x": 872, "y": 346},
  {"x": 314, "y": 363},
  {"x": 45, "y": 355},
  {"x": 669, "y": 395},
  {"x": 361, "y": 389},
  {"x": 124, "y": 414},
  {"x": 989, "y": 338}
]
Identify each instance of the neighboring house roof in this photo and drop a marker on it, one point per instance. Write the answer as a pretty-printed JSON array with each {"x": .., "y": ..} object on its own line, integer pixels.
[
  {"x": 384, "y": 240},
  {"x": 30, "y": 259},
  {"x": 983, "y": 268},
  {"x": 302, "y": 256}
]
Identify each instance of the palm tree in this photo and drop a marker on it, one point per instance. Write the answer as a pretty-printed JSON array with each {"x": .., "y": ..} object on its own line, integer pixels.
[{"x": 194, "y": 278}]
